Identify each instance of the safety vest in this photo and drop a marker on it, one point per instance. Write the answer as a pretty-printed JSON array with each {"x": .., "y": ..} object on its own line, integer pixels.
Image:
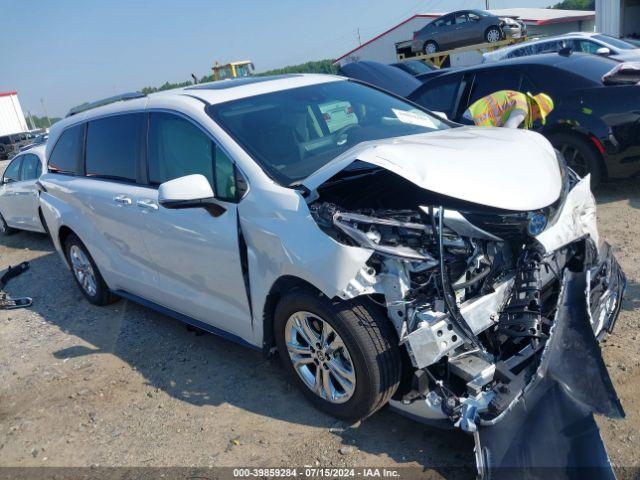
[{"x": 494, "y": 110}]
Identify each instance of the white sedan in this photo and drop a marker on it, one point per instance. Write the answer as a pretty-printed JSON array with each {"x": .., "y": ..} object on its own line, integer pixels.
[{"x": 19, "y": 205}]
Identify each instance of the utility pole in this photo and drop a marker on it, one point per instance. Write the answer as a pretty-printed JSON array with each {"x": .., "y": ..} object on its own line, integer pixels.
[
  {"x": 33, "y": 124},
  {"x": 45, "y": 111},
  {"x": 486, "y": 4},
  {"x": 359, "y": 41}
]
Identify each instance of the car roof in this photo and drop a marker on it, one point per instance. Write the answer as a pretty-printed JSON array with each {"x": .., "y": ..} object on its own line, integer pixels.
[
  {"x": 537, "y": 41},
  {"x": 209, "y": 93},
  {"x": 236, "y": 88},
  {"x": 550, "y": 59},
  {"x": 39, "y": 150}
]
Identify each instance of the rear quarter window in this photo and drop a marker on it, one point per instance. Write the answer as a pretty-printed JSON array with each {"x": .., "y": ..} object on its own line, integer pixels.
[
  {"x": 114, "y": 146},
  {"x": 66, "y": 156},
  {"x": 438, "y": 95}
]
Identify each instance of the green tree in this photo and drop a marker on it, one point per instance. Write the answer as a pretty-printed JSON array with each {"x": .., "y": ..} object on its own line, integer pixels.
[
  {"x": 41, "y": 122},
  {"x": 575, "y": 5}
]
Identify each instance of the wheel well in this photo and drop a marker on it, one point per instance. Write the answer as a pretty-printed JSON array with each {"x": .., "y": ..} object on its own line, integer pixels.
[
  {"x": 281, "y": 286},
  {"x": 588, "y": 137},
  {"x": 63, "y": 234}
]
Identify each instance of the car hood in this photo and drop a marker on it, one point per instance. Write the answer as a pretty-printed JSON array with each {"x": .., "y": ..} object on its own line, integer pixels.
[{"x": 496, "y": 167}]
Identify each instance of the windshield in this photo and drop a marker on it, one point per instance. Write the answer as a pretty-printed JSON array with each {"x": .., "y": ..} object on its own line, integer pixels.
[
  {"x": 615, "y": 42},
  {"x": 292, "y": 133}
]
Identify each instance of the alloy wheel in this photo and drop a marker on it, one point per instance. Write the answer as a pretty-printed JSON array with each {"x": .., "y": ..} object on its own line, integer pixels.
[
  {"x": 575, "y": 160},
  {"x": 430, "y": 48},
  {"x": 83, "y": 270},
  {"x": 320, "y": 357}
]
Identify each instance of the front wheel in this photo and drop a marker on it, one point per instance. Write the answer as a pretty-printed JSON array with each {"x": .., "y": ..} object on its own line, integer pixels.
[
  {"x": 581, "y": 156},
  {"x": 493, "y": 35},
  {"x": 342, "y": 355}
]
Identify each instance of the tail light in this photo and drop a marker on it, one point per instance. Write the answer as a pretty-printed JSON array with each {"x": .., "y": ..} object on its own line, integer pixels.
[
  {"x": 349, "y": 110},
  {"x": 415, "y": 35},
  {"x": 326, "y": 117}
]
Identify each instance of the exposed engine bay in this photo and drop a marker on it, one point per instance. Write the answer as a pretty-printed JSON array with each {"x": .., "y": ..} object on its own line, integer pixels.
[{"x": 473, "y": 291}]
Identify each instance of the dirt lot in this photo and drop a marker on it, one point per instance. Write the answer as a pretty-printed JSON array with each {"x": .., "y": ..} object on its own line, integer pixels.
[{"x": 122, "y": 385}]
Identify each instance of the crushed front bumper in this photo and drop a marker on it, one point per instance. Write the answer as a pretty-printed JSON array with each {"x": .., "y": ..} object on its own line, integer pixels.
[{"x": 605, "y": 284}]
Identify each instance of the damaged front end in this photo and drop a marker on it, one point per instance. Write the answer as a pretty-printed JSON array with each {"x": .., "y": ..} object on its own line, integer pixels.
[{"x": 491, "y": 306}]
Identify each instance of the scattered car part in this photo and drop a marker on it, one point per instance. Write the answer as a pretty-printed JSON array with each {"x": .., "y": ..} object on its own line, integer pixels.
[{"x": 7, "y": 302}]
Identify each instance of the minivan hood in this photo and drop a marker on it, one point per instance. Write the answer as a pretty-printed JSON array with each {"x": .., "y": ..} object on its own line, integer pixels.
[{"x": 497, "y": 167}]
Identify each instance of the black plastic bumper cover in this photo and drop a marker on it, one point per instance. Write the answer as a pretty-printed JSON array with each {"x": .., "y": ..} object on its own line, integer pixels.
[{"x": 550, "y": 432}]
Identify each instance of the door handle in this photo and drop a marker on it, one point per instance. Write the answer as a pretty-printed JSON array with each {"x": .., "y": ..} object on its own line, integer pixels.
[
  {"x": 147, "y": 204},
  {"x": 122, "y": 200}
]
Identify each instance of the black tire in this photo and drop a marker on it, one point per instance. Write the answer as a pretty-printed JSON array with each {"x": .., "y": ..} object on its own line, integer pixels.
[
  {"x": 425, "y": 48},
  {"x": 4, "y": 228},
  {"x": 581, "y": 155},
  {"x": 102, "y": 295},
  {"x": 370, "y": 340},
  {"x": 489, "y": 34}
]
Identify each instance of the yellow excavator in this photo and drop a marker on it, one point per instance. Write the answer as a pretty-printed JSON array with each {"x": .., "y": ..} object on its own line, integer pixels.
[{"x": 244, "y": 68}]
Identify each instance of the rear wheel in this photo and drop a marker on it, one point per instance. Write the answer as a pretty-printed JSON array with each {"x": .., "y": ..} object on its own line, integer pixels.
[
  {"x": 86, "y": 273},
  {"x": 4, "y": 228},
  {"x": 342, "y": 355},
  {"x": 581, "y": 155},
  {"x": 493, "y": 35},
  {"x": 430, "y": 47}
]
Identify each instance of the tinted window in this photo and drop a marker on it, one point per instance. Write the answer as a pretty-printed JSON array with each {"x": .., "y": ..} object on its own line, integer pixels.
[
  {"x": 114, "y": 145},
  {"x": 585, "y": 46},
  {"x": 13, "y": 170},
  {"x": 461, "y": 18},
  {"x": 439, "y": 95},
  {"x": 490, "y": 81},
  {"x": 444, "y": 21},
  {"x": 67, "y": 154},
  {"x": 177, "y": 148},
  {"x": 31, "y": 168},
  {"x": 616, "y": 42}
]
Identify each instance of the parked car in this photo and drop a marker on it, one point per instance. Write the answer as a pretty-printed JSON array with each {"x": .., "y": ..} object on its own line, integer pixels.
[
  {"x": 373, "y": 250},
  {"x": 585, "y": 42},
  {"x": 38, "y": 139},
  {"x": 19, "y": 204},
  {"x": 465, "y": 27},
  {"x": 595, "y": 125}
]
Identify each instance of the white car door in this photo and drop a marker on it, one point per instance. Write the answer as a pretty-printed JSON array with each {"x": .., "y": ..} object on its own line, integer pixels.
[
  {"x": 8, "y": 198},
  {"x": 25, "y": 197},
  {"x": 195, "y": 250}
]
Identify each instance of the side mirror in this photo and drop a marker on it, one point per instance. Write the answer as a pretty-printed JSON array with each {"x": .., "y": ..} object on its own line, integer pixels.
[
  {"x": 603, "y": 51},
  {"x": 185, "y": 192},
  {"x": 441, "y": 115}
]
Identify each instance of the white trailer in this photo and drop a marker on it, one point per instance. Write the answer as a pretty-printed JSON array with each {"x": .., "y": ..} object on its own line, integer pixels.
[{"x": 11, "y": 117}]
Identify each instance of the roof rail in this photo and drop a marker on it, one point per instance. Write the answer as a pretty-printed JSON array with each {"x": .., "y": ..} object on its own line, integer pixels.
[{"x": 106, "y": 101}]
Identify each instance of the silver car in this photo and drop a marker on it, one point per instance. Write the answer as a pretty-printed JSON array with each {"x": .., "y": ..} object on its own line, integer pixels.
[
  {"x": 586, "y": 42},
  {"x": 465, "y": 27}
]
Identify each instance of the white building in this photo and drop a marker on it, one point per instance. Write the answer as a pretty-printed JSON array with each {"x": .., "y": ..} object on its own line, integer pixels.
[
  {"x": 620, "y": 18},
  {"x": 11, "y": 117},
  {"x": 539, "y": 21}
]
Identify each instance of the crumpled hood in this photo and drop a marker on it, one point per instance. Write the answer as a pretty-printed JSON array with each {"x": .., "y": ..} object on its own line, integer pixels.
[{"x": 497, "y": 167}]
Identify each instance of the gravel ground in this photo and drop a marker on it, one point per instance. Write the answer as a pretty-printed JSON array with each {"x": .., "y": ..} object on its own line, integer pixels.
[{"x": 125, "y": 386}]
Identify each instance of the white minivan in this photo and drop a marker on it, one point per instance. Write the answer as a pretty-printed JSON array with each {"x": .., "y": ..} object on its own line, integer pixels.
[{"x": 392, "y": 255}]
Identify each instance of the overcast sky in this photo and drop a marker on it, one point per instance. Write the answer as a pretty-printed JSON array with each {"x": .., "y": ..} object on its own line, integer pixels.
[{"x": 67, "y": 52}]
